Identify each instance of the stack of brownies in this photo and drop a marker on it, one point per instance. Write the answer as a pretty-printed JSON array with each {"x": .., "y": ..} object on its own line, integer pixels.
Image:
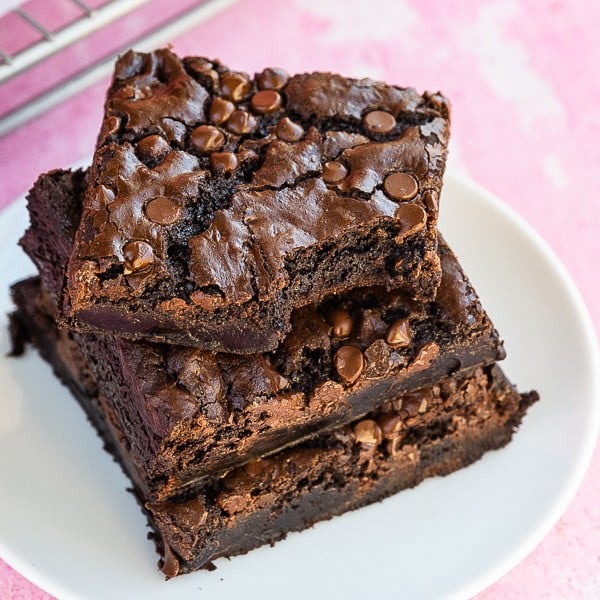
[{"x": 248, "y": 295}]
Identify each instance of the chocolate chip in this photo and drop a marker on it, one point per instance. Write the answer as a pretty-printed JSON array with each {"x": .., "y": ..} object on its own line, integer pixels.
[
  {"x": 289, "y": 131},
  {"x": 379, "y": 121},
  {"x": 334, "y": 171},
  {"x": 411, "y": 219},
  {"x": 162, "y": 210},
  {"x": 398, "y": 335},
  {"x": 272, "y": 79},
  {"x": 205, "y": 71},
  {"x": 235, "y": 86},
  {"x": 226, "y": 161},
  {"x": 104, "y": 195},
  {"x": 207, "y": 138},
  {"x": 368, "y": 433},
  {"x": 341, "y": 321},
  {"x": 430, "y": 200},
  {"x": 266, "y": 101},
  {"x": 138, "y": 255},
  {"x": 400, "y": 186},
  {"x": 349, "y": 363},
  {"x": 152, "y": 148},
  {"x": 391, "y": 424},
  {"x": 241, "y": 122},
  {"x": 220, "y": 110},
  {"x": 397, "y": 403}
]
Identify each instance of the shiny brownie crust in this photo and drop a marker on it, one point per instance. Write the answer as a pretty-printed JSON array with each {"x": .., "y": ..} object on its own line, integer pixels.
[{"x": 218, "y": 202}]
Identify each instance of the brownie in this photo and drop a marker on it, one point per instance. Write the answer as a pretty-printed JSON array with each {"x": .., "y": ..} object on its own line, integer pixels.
[
  {"x": 191, "y": 414},
  {"x": 219, "y": 202},
  {"x": 392, "y": 448}
]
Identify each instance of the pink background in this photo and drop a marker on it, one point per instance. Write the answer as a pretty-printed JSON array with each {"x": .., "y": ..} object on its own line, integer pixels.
[{"x": 523, "y": 78}]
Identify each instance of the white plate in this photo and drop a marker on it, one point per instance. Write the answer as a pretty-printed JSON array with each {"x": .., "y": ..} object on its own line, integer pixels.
[{"x": 67, "y": 523}]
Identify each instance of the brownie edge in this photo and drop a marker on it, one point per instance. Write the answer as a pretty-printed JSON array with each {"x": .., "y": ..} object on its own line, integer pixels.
[{"x": 211, "y": 213}]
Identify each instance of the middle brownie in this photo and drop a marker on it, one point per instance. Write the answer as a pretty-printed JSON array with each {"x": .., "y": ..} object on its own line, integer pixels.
[{"x": 189, "y": 414}]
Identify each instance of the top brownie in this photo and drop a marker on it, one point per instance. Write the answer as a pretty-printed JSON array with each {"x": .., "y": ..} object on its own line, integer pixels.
[{"x": 218, "y": 202}]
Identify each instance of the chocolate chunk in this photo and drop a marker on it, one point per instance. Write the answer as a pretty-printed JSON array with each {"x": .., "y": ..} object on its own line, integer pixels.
[
  {"x": 379, "y": 121},
  {"x": 224, "y": 161},
  {"x": 207, "y": 138},
  {"x": 152, "y": 148},
  {"x": 266, "y": 101},
  {"x": 398, "y": 335},
  {"x": 400, "y": 186},
  {"x": 241, "y": 122},
  {"x": 342, "y": 322},
  {"x": 368, "y": 433},
  {"x": 138, "y": 255},
  {"x": 162, "y": 210},
  {"x": 349, "y": 363},
  {"x": 235, "y": 86},
  {"x": 272, "y": 79},
  {"x": 220, "y": 110},
  {"x": 334, "y": 171},
  {"x": 289, "y": 131}
]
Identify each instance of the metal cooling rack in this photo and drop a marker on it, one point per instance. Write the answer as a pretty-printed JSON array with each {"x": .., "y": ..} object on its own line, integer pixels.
[{"x": 53, "y": 41}]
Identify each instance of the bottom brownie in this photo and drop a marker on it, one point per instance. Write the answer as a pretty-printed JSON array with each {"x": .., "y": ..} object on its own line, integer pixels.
[{"x": 259, "y": 503}]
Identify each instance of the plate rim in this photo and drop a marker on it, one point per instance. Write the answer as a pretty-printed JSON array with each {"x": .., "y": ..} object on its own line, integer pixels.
[{"x": 592, "y": 432}]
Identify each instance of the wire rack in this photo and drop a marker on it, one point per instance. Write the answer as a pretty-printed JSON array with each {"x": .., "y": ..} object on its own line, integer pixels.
[{"x": 91, "y": 17}]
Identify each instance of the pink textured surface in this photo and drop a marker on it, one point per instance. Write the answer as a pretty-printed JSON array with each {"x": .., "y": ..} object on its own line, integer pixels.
[{"x": 523, "y": 78}]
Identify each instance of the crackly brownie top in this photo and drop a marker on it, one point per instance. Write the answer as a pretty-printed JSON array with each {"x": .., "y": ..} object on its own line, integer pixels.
[{"x": 206, "y": 180}]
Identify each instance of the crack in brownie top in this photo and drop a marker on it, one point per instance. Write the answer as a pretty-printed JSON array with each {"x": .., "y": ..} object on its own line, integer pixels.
[{"x": 206, "y": 181}]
